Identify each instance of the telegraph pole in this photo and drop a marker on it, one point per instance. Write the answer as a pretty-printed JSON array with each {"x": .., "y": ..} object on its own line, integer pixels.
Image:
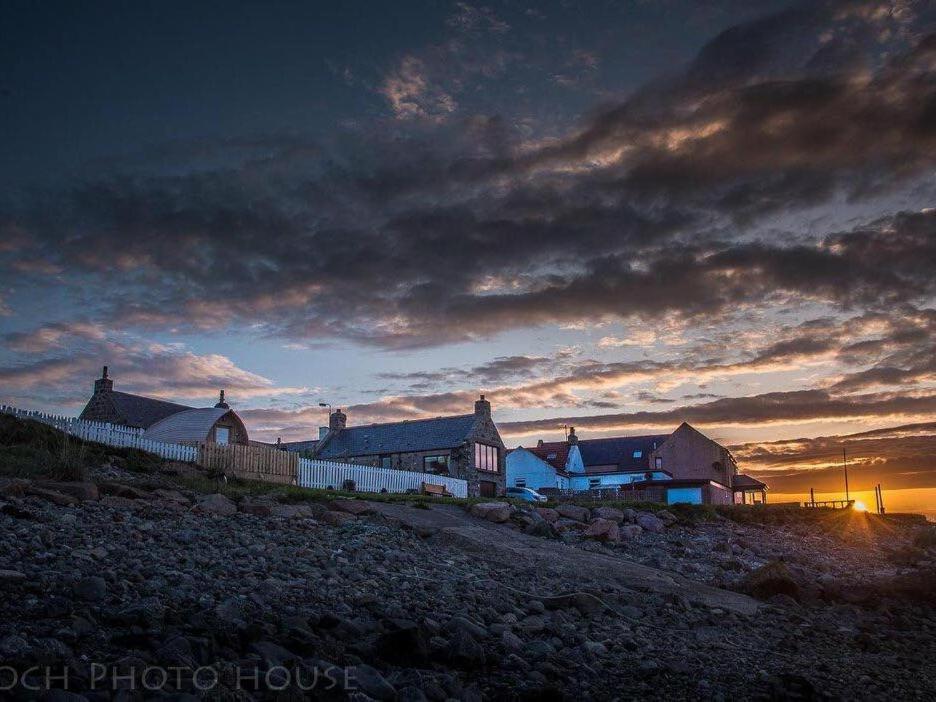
[{"x": 845, "y": 467}]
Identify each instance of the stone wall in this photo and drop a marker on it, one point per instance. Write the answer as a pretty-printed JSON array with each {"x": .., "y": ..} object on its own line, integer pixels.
[
  {"x": 689, "y": 454},
  {"x": 100, "y": 409}
]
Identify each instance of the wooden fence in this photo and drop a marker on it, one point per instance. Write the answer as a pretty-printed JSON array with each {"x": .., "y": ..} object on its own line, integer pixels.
[
  {"x": 329, "y": 475},
  {"x": 250, "y": 462}
]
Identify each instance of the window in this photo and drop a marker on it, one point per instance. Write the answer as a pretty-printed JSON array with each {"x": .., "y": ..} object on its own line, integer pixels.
[
  {"x": 222, "y": 435},
  {"x": 551, "y": 456},
  {"x": 659, "y": 462},
  {"x": 436, "y": 464},
  {"x": 638, "y": 453},
  {"x": 520, "y": 482},
  {"x": 594, "y": 482},
  {"x": 486, "y": 458},
  {"x": 386, "y": 461}
]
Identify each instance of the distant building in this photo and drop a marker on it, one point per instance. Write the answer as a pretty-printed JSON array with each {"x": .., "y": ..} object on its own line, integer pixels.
[
  {"x": 463, "y": 446},
  {"x": 164, "y": 421},
  {"x": 684, "y": 466}
]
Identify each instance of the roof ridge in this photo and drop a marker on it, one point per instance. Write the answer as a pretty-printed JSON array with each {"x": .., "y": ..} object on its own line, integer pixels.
[{"x": 407, "y": 421}]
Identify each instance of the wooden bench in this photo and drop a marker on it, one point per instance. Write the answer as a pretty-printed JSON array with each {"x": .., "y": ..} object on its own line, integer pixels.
[{"x": 436, "y": 490}]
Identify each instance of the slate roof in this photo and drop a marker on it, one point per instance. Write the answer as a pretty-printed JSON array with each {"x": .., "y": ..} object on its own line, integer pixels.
[
  {"x": 398, "y": 437},
  {"x": 299, "y": 446},
  {"x": 742, "y": 481},
  {"x": 597, "y": 454},
  {"x": 559, "y": 450},
  {"x": 186, "y": 426},
  {"x": 139, "y": 411}
]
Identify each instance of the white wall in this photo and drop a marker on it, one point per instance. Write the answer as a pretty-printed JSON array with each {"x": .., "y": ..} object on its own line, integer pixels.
[
  {"x": 613, "y": 479},
  {"x": 524, "y": 465}
]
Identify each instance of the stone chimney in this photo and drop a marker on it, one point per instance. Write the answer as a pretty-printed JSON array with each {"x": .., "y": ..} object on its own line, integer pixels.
[
  {"x": 337, "y": 420},
  {"x": 103, "y": 384},
  {"x": 573, "y": 439},
  {"x": 482, "y": 408},
  {"x": 221, "y": 403}
]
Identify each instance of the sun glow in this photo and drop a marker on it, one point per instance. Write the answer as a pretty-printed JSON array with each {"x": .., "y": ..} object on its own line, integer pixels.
[{"x": 860, "y": 506}]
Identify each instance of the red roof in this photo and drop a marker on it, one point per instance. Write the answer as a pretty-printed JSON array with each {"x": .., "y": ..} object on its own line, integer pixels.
[{"x": 555, "y": 453}]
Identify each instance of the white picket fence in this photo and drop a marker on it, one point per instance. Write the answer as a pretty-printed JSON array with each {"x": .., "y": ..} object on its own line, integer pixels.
[
  {"x": 311, "y": 473},
  {"x": 105, "y": 433},
  {"x": 327, "y": 474}
]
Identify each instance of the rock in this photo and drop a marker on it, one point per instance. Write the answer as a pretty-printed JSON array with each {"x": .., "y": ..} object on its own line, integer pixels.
[
  {"x": 547, "y": 513},
  {"x": 215, "y": 504},
  {"x": 630, "y": 515},
  {"x": 574, "y": 512},
  {"x": 82, "y": 491},
  {"x": 355, "y": 507},
  {"x": 649, "y": 522},
  {"x": 603, "y": 530},
  {"x": 769, "y": 580},
  {"x": 595, "y": 648},
  {"x": 612, "y": 513},
  {"x": 294, "y": 511},
  {"x": 629, "y": 532},
  {"x": 464, "y": 651},
  {"x": 257, "y": 506},
  {"x": 171, "y": 496},
  {"x": 369, "y": 681},
  {"x": 667, "y": 517},
  {"x": 497, "y": 512},
  {"x": 92, "y": 589},
  {"x": 58, "y": 498},
  {"x": 337, "y": 518},
  {"x": 272, "y": 654},
  {"x": 511, "y": 642},
  {"x": 404, "y": 644},
  {"x": 563, "y": 524},
  {"x": 584, "y": 602},
  {"x": 11, "y": 576},
  {"x": 122, "y": 490},
  {"x": 115, "y": 502}
]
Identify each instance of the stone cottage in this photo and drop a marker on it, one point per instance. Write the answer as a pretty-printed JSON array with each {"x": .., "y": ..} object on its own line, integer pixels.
[
  {"x": 464, "y": 446},
  {"x": 164, "y": 421}
]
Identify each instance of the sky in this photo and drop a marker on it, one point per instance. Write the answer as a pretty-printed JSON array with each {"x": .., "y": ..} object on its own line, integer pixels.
[{"x": 612, "y": 215}]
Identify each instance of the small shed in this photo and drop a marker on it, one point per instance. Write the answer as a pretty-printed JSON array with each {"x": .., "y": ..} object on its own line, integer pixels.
[{"x": 211, "y": 425}]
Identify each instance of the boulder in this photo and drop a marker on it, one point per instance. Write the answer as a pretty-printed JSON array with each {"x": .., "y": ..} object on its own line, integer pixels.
[
  {"x": 564, "y": 524},
  {"x": 630, "y": 515},
  {"x": 629, "y": 532},
  {"x": 371, "y": 683},
  {"x": 258, "y": 506},
  {"x": 769, "y": 580},
  {"x": 579, "y": 514},
  {"x": 53, "y": 496},
  {"x": 171, "y": 496},
  {"x": 650, "y": 522},
  {"x": 612, "y": 513},
  {"x": 93, "y": 589},
  {"x": 215, "y": 504},
  {"x": 120, "y": 502},
  {"x": 355, "y": 507},
  {"x": 123, "y": 490},
  {"x": 498, "y": 512},
  {"x": 464, "y": 651},
  {"x": 295, "y": 511},
  {"x": 668, "y": 518},
  {"x": 11, "y": 576},
  {"x": 603, "y": 530},
  {"x": 547, "y": 513},
  {"x": 336, "y": 518},
  {"x": 78, "y": 490}
]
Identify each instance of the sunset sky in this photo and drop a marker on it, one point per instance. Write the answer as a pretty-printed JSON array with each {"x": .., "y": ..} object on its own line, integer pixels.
[{"x": 618, "y": 215}]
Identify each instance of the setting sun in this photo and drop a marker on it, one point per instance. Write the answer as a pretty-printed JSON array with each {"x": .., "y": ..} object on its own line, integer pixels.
[{"x": 859, "y": 506}]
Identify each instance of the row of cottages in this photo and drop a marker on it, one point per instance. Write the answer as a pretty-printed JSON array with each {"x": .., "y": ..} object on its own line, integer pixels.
[
  {"x": 466, "y": 446},
  {"x": 164, "y": 421},
  {"x": 685, "y": 466}
]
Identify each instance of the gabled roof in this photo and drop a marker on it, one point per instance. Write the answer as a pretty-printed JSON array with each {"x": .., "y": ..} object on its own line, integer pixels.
[
  {"x": 186, "y": 426},
  {"x": 298, "y": 446},
  {"x": 555, "y": 453},
  {"x": 398, "y": 437},
  {"x": 742, "y": 481},
  {"x": 620, "y": 452},
  {"x": 139, "y": 411}
]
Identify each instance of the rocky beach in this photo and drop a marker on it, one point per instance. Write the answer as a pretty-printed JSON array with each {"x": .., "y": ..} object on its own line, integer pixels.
[{"x": 133, "y": 585}]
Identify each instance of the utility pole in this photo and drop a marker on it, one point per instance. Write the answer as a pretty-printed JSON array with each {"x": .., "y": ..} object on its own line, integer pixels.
[{"x": 845, "y": 466}]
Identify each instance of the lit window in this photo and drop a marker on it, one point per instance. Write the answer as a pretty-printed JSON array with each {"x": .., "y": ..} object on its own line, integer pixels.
[
  {"x": 222, "y": 435},
  {"x": 486, "y": 458},
  {"x": 594, "y": 482},
  {"x": 638, "y": 454},
  {"x": 550, "y": 456},
  {"x": 436, "y": 464},
  {"x": 659, "y": 462}
]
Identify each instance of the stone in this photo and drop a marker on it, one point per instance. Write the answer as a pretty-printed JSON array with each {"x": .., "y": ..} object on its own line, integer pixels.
[
  {"x": 497, "y": 512},
  {"x": 563, "y": 524},
  {"x": 355, "y": 507},
  {"x": 82, "y": 491},
  {"x": 574, "y": 512},
  {"x": 649, "y": 522},
  {"x": 215, "y": 504},
  {"x": 629, "y": 532},
  {"x": 257, "y": 506},
  {"x": 612, "y": 513},
  {"x": 122, "y": 490},
  {"x": 464, "y": 651},
  {"x": 369, "y": 681},
  {"x": 171, "y": 496},
  {"x": 294, "y": 511},
  {"x": 404, "y": 644},
  {"x": 667, "y": 517},
  {"x": 769, "y": 580},
  {"x": 53, "y": 496},
  {"x": 337, "y": 518},
  {"x": 547, "y": 513},
  {"x": 511, "y": 642},
  {"x": 115, "y": 502},
  {"x": 91, "y": 589},
  {"x": 630, "y": 515},
  {"x": 603, "y": 530},
  {"x": 11, "y": 576}
]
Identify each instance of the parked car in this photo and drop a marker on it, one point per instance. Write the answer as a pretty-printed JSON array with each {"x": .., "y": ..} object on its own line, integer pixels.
[{"x": 525, "y": 494}]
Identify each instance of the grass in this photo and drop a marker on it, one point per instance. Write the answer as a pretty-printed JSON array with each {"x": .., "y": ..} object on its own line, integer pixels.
[{"x": 30, "y": 449}]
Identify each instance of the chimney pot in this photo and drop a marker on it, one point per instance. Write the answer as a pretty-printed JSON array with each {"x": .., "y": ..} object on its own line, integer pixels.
[
  {"x": 482, "y": 407},
  {"x": 104, "y": 383},
  {"x": 337, "y": 420},
  {"x": 573, "y": 439}
]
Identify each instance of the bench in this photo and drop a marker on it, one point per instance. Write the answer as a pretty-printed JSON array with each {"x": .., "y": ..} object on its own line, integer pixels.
[{"x": 436, "y": 490}]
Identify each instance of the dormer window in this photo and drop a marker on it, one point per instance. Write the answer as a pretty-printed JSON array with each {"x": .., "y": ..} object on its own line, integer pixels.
[{"x": 638, "y": 454}]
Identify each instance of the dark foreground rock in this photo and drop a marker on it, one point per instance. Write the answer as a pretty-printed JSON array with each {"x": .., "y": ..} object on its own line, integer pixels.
[{"x": 247, "y": 597}]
